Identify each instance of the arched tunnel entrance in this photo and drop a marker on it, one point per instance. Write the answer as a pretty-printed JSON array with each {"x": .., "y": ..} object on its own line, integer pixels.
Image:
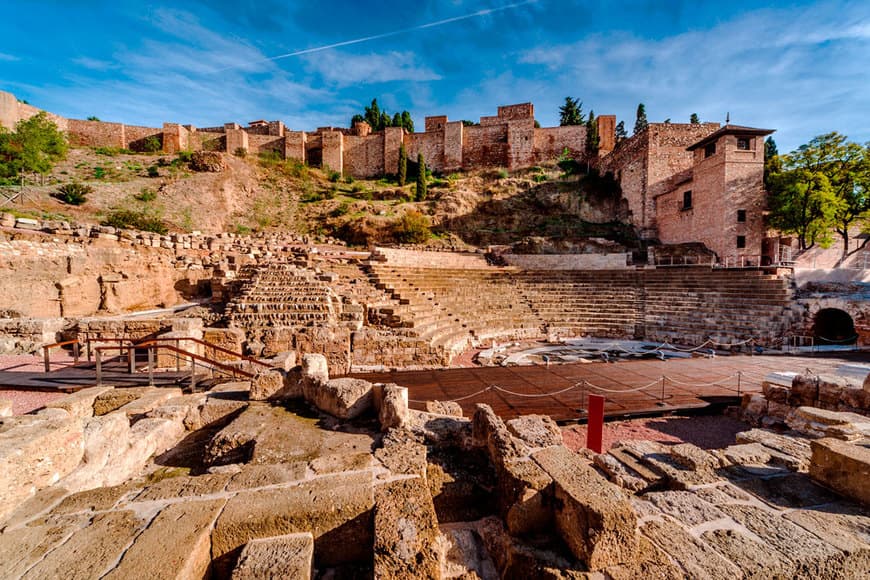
[{"x": 834, "y": 326}]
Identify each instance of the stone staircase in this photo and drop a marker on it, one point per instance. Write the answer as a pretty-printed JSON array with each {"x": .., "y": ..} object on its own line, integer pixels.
[{"x": 283, "y": 294}]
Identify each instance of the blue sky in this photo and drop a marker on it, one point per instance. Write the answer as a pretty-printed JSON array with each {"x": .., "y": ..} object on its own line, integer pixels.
[{"x": 802, "y": 68}]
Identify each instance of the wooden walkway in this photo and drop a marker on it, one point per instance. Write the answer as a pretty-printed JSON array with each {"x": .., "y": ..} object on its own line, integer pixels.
[
  {"x": 630, "y": 388},
  {"x": 70, "y": 378}
]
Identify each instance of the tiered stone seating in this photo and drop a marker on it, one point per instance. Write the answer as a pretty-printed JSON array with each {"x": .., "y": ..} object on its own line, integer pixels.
[
  {"x": 450, "y": 307},
  {"x": 283, "y": 294}
]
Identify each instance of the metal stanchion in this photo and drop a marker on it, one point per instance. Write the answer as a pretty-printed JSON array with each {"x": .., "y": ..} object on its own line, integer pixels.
[
  {"x": 192, "y": 374},
  {"x": 151, "y": 366}
]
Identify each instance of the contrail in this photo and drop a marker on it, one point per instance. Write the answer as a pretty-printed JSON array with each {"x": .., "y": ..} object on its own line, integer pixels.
[{"x": 393, "y": 33}]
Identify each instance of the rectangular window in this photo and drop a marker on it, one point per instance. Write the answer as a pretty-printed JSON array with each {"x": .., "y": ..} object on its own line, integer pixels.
[
  {"x": 743, "y": 143},
  {"x": 741, "y": 241},
  {"x": 741, "y": 215},
  {"x": 710, "y": 150},
  {"x": 687, "y": 200}
]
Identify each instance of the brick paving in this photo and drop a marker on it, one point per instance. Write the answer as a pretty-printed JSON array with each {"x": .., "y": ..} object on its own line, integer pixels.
[{"x": 689, "y": 383}]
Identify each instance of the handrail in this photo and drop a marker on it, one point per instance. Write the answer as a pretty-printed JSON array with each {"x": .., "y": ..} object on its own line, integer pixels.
[
  {"x": 153, "y": 343},
  {"x": 47, "y": 357},
  {"x": 207, "y": 344}
]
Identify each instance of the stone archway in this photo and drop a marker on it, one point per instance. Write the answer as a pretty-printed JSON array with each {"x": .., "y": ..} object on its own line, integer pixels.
[{"x": 834, "y": 326}]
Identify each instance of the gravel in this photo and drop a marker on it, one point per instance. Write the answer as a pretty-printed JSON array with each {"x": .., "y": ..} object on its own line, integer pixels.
[
  {"x": 26, "y": 401},
  {"x": 705, "y": 431}
]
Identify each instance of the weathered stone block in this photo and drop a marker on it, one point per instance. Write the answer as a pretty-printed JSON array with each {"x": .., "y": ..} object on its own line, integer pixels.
[
  {"x": 336, "y": 509},
  {"x": 114, "y": 399},
  {"x": 843, "y": 467},
  {"x": 804, "y": 390},
  {"x": 5, "y": 408},
  {"x": 176, "y": 544},
  {"x": 594, "y": 517},
  {"x": 488, "y": 430},
  {"x": 449, "y": 408},
  {"x": 106, "y": 440},
  {"x": 79, "y": 404},
  {"x": 266, "y": 384},
  {"x": 36, "y": 451},
  {"x": 406, "y": 531},
  {"x": 536, "y": 430},
  {"x": 342, "y": 398},
  {"x": 289, "y": 556},
  {"x": 393, "y": 412}
]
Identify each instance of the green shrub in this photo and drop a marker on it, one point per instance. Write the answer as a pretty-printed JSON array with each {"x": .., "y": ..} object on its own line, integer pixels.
[
  {"x": 341, "y": 210},
  {"x": 73, "y": 193},
  {"x": 539, "y": 178},
  {"x": 185, "y": 156},
  {"x": 153, "y": 144},
  {"x": 242, "y": 230},
  {"x": 412, "y": 228},
  {"x": 153, "y": 171},
  {"x": 502, "y": 174},
  {"x": 146, "y": 195},
  {"x": 112, "y": 151},
  {"x": 334, "y": 176},
  {"x": 348, "y": 179},
  {"x": 357, "y": 188},
  {"x": 99, "y": 172},
  {"x": 241, "y": 152},
  {"x": 136, "y": 220}
]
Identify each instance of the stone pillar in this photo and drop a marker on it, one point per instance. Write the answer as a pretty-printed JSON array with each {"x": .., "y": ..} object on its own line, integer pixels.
[
  {"x": 237, "y": 138},
  {"x": 606, "y": 134},
  {"x": 294, "y": 145},
  {"x": 393, "y": 139},
  {"x": 453, "y": 137},
  {"x": 333, "y": 150},
  {"x": 521, "y": 143},
  {"x": 175, "y": 138}
]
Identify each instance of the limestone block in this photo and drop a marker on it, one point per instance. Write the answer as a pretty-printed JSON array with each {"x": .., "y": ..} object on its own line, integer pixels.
[
  {"x": 285, "y": 361},
  {"x": 522, "y": 500},
  {"x": 23, "y": 547},
  {"x": 843, "y": 467},
  {"x": 449, "y": 408},
  {"x": 336, "y": 509},
  {"x": 79, "y": 404},
  {"x": 91, "y": 551},
  {"x": 405, "y": 531},
  {"x": 107, "y": 439},
  {"x": 36, "y": 451},
  {"x": 797, "y": 447},
  {"x": 5, "y": 408},
  {"x": 536, "y": 430},
  {"x": 315, "y": 368},
  {"x": 618, "y": 473},
  {"x": 114, "y": 399},
  {"x": 289, "y": 556},
  {"x": 215, "y": 409},
  {"x": 693, "y": 457},
  {"x": 150, "y": 437},
  {"x": 229, "y": 338},
  {"x": 825, "y": 423},
  {"x": 342, "y": 398},
  {"x": 177, "y": 544},
  {"x": 488, "y": 430},
  {"x": 694, "y": 556},
  {"x": 804, "y": 390},
  {"x": 393, "y": 411},
  {"x": 149, "y": 401},
  {"x": 594, "y": 517},
  {"x": 266, "y": 384},
  {"x": 754, "y": 406}
]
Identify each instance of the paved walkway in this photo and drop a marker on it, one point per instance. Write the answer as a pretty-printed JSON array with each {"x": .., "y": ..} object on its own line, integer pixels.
[{"x": 631, "y": 387}]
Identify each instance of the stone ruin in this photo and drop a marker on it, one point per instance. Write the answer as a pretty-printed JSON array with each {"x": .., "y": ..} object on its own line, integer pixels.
[{"x": 295, "y": 474}]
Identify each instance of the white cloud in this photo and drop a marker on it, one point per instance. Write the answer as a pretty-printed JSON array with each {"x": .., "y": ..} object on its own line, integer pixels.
[
  {"x": 6, "y": 57},
  {"x": 801, "y": 71},
  {"x": 94, "y": 64},
  {"x": 345, "y": 69}
]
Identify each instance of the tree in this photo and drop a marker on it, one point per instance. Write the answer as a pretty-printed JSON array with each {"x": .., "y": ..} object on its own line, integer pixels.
[
  {"x": 34, "y": 147},
  {"x": 420, "y": 194},
  {"x": 93, "y": 118},
  {"x": 402, "y": 172},
  {"x": 821, "y": 188},
  {"x": 772, "y": 161},
  {"x": 397, "y": 120},
  {"x": 640, "y": 122},
  {"x": 571, "y": 113},
  {"x": 694, "y": 120},
  {"x": 620, "y": 131},
  {"x": 592, "y": 140},
  {"x": 407, "y": 122}
]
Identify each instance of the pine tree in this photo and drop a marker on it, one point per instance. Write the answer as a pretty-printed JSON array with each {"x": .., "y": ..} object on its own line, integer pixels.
[
  {"x": 770, "y": 149},
  {"x": 373, "y": 115},
  {"x": 592, "y": 139},
  {"x": 384, "y": 122},
  {"x": 640, "y": 123},
  {"x": 403, "y": 165},
  {"x": 571, "y": 113},
  {"x": 620, "y": 131},
  {"x": 397, "y": 120},
  {"x": 407, "y": 122},
  {"x": 694, "y": 120},
  {"x": 421, "y": 178}
]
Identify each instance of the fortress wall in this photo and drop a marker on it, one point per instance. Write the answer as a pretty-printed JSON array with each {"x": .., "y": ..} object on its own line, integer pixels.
[
  {"x": 263, "y": 143},
  {"x": 333, "y": 150},
  {"x": 96, "y": 134},
  {"x": 431, "y": 145},
  {"x": 551, "y": 141},
  {"x": 485, "y": 146},
  {"x": 521, "y": 143},
  {"x": 364, "y": 156},
  {"x": 136, "y": 136},
  {"x": 294, "y": 145},
  {"x": 393, "y": 139},
  {"x": 453, "y": 139},
  {"x": 208, "y": 141}
]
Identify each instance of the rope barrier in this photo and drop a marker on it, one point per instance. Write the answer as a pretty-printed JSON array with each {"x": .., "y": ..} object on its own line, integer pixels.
[
  {"x": 657, "y": 382},
  {"x": 535, "y": 395},
  {"x": 713, "y": 384},
  {"x": 843, "y": 341}
]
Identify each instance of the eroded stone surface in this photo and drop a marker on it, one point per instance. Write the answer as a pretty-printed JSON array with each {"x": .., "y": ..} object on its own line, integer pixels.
[
  {"x": 406, "y": 531},
  {"x": 289, "y": 556},
  {"x": 843, "y": 467}
]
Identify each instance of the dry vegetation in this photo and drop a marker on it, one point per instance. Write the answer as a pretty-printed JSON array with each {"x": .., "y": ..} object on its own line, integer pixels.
[{"x": 257, "y": 194}]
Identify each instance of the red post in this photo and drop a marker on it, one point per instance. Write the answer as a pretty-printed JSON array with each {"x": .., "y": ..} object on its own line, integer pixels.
[{"x": 595, "y": 423}]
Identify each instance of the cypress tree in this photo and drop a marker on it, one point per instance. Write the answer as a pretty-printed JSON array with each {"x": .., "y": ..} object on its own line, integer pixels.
[
  {"x": 620, "y": 131},
  {"x": 403, "y": 165},
  {"x": 592, "y": 140},
  {"x": 641, "y": 123},
  {"x": 694, "y": 120},
  {"x": 407, "y": 122},
  {"x": 397, "y": 120},
  {"x": 421, "y": 178}
]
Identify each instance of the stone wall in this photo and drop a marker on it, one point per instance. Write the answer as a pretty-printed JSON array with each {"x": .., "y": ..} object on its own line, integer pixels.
[{"x": 568, "y": 261}]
